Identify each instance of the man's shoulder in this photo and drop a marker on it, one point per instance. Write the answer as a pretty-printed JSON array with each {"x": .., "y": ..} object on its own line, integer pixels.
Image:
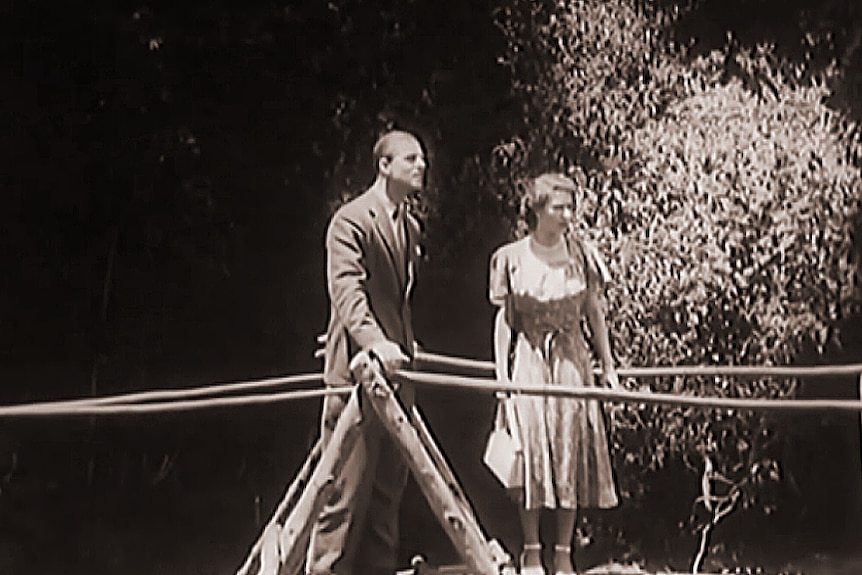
[
  {"x": 356, "y": 207},
  {"x": 352, "y": 218}
]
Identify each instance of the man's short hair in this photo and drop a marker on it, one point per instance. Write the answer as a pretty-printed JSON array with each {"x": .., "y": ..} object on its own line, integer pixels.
[{"x": 383, "y": 147}]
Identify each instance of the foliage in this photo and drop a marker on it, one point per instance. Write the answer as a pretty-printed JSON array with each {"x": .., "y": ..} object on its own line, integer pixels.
[
  {"x": 417, "y": 75},
  {"x": 172, "y": 167},
  {"x": 723, "y": 188}
]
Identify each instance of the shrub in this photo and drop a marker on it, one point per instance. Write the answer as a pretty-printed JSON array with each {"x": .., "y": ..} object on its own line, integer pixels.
[{"x": 723, "y": 190}]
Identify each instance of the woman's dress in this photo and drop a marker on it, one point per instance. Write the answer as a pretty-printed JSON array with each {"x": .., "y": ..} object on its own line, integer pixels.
[{"x": 546, "y": 292}]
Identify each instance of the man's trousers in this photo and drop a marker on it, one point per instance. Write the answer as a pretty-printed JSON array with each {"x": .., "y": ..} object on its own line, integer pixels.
[{"x": 357, "y": 531}]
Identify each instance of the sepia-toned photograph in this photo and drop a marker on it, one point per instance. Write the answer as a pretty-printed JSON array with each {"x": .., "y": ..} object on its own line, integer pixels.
[{"x": 417, "y": 287}]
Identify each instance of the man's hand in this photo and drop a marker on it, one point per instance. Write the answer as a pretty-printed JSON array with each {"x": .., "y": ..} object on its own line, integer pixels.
[
  {"x": 390, "y": 355},
  {"x": 333, "y": 405}
]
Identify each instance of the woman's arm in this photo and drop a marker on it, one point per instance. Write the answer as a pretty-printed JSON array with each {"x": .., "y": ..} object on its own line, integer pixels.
[
  {"x": 502, "y": 341},
  {"x": 499, "y": 288},
  {"x": 601, "y": 340}
]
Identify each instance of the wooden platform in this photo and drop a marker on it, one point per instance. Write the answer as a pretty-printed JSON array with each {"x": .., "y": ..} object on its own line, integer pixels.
[{"x": 419, "y": 566}]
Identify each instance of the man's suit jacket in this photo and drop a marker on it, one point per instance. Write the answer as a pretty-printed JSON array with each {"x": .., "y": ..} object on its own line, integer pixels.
[{"x": 369, "y": 283}]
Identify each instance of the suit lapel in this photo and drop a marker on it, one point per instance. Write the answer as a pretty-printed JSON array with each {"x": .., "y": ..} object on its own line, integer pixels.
[
  {"x": 411, "y": 241},
  {"x": 380, "y": 216}
]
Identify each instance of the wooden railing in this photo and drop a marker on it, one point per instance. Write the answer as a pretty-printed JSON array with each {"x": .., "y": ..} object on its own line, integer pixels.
[
  {"x": 276, "y": 550},
  {"x": 282, "y": 544}
]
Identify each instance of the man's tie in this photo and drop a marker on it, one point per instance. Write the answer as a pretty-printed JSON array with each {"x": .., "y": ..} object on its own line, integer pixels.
[{"x": 398, "y": 222}]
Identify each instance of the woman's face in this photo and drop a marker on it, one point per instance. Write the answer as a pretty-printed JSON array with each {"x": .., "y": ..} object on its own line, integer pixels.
[{"x": 556, "y": 216}]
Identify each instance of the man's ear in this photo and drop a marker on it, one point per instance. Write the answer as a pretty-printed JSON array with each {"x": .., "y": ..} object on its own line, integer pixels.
[{"x": 383, "y": 165}]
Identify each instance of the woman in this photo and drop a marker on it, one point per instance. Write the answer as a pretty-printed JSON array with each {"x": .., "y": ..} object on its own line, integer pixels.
[{"x": 545, "y": 284}]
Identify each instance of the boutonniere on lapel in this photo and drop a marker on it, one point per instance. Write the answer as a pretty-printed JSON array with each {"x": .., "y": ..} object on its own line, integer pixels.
[
  {"x": 571, "y": 271},
  {"x": 415, "y": 212}
]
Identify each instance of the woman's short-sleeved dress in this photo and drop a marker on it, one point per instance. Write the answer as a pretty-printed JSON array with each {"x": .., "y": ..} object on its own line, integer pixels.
[{"x": 546, "y": 291}]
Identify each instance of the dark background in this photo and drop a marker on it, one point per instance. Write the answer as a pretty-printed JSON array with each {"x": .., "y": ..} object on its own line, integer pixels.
[{"x": 169, "y": 169}]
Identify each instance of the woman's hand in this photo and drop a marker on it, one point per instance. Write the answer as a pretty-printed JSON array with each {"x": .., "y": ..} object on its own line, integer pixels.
[{"x": 611, "y": 379}]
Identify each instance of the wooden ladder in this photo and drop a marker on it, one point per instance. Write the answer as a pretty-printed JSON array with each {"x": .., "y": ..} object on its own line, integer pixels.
[{"x": 282, "y": 546}]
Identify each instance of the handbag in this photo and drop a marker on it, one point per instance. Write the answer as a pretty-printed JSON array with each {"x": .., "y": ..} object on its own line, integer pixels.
[{"x": 504, "y": 454}]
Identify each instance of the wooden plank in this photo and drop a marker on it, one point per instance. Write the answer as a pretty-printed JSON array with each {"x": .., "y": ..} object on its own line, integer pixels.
[
  {"x": 440, "y": 462},
  {"x": 461, "y": 527},
  {"x": 418, "y": 566},
  {"x": 282, "y": 547},
  {"x": 286, "y": 503},
  {"x": 294, "y": 534}
]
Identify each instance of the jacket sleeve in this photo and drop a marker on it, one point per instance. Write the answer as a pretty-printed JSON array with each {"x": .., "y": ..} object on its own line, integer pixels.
[{"x": 347, "y": 277}]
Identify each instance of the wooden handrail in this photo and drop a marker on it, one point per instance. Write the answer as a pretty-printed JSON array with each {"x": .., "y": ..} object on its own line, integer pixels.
[
  {"x": 424, "y": 358},
  {"x": 492, "y": 387},
  {"x": 81, "y": 408},
  {"x": 439, "y": 360},
  {"x": 175, "y": 400}
]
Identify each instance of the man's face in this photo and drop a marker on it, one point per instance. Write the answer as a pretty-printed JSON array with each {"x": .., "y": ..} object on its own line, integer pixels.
[{"x": 405, "y": 166}]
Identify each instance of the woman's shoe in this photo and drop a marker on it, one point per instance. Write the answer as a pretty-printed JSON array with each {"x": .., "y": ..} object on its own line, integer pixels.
[
  {"x": 567, "y": 551},
  {"x": 533, "y": 569}
]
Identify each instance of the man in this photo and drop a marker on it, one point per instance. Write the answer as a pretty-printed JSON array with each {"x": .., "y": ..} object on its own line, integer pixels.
[{"x": 371, "y": 252}]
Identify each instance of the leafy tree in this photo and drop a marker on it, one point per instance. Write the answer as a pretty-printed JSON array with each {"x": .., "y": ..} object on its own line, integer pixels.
[{"x": 724, "y": 188}]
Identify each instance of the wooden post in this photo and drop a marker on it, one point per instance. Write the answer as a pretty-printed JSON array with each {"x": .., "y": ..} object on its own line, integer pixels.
[
  {"x": 440, "y": 461},
  {"x": 289, "y": 542},
  {"x": 481, "y": 557},
  {"x": 294, "y": 535}
]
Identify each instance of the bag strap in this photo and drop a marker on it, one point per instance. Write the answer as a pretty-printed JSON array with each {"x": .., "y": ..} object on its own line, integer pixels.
[
  {"x": 508, "y": 405},
  {"x": 506, "y": 419},
  {"x": 594, "y": 266},
  {"x": 500, "y": 413}
]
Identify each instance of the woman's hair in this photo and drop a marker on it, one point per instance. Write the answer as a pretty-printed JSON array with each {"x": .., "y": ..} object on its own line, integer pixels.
[{"x": 538, "y": 192}]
